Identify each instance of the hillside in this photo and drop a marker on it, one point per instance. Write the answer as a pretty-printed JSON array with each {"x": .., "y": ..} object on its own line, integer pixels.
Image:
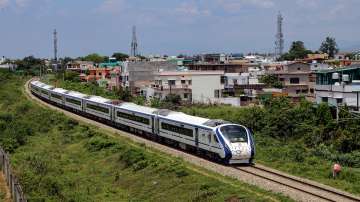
[{"x": 59, "y": 159}]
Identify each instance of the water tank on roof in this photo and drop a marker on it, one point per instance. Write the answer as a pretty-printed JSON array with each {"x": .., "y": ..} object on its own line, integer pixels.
[
  {"x": 335, "y": 76},
  {"x": 346, "y": 78}
]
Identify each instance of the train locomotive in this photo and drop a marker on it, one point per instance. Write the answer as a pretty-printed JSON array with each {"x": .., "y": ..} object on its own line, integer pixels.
[{"x": 217, "y": 139}]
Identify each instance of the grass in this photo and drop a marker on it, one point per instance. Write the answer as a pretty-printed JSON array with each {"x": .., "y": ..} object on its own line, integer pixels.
[{"x": 59, "y": 159}]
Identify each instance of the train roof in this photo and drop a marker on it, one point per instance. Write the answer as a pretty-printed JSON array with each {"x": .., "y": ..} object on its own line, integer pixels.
[
  {"x": 37, "y": 83},
  {"x": 136, "y": 108},
  {"x": 98, "y": 99},
  {"x": 47, "y": 87},
  {"x": 182, "y": 117},
  {"x": 76, "y": 94},
  {"x": 60, "y": 90}
]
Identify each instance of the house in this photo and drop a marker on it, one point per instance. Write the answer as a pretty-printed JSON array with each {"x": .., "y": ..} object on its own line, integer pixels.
[
  {"x": 297, "y": 79},
  {"x": 191, "y": 86},
  {"x": 340, "y": 86},
  {"x": 79, "y": 66},
  {"x": 136, "y": 75}
]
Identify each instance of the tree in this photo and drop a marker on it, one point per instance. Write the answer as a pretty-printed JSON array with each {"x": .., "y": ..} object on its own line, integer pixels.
[
  {"x": 271, "y": 81},
  {"x": 94, "y": 57},
  {"x": 297, "y": 51},
  {"x": 329, "y": 46},
  {"x": 120, "y": 56}
]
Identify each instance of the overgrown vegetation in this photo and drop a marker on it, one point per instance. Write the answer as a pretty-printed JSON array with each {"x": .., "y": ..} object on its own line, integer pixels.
[
  {"x": 302, "y": 139},
  {"x": 60, "y": 159}
]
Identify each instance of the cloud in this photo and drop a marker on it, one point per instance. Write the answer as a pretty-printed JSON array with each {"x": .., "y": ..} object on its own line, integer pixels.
[
  {"x": 22, "y": 3},
  {"x": 236, "y": 5},
  {"x": 111, "y": 6},
  {"x": 191, "y": 9},
  {"x": 4, "y": 3}
]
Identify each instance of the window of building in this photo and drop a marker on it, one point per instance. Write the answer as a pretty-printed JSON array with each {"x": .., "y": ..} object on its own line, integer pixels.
[
  {"x": 339, "y": 101},
  {"x": 324, "y": 99},
  {"x": 294, "y": 80},
  {"x": 297, "y": 91},
  {"x": 190, "y": 82},
  {"x": 183, "y": 81},
  {"x": 281, "y": 79},
  {"x": 132, "y": 117},
  {"x": 177, "y": 129},
  {"x": 171, "y": 82},
  {"x": 299, "y": 68},
  {"x": 304, "y": 91},
  {"x": 222, "y": 79},
  {"x": 311, "y": 90},
  {"x": 217, "y": 93},
  {"x": 186, "y": 95}
]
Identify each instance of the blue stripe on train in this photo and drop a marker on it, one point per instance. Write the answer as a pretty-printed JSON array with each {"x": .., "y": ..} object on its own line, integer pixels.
[{"x": 227, "y": 150}]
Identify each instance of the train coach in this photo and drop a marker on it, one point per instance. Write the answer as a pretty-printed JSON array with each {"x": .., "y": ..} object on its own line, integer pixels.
[{"x": 217, "y": 139}]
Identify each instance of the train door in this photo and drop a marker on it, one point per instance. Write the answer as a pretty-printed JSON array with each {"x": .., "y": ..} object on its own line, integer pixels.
[
  {"x": 196, "y": 137},
  {"x": 157, "y": 126},
  {"x": 153, "y": 125}
]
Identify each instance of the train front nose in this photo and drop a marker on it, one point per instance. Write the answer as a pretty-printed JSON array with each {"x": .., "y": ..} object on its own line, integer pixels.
[{"x": 241, "y": 153}]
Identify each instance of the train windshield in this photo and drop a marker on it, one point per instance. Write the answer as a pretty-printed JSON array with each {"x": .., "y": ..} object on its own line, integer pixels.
[{"x": 234, "y": 133}]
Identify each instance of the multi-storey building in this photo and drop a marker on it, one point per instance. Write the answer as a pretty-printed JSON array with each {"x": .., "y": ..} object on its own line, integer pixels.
[{"x": 339, "y": 86}]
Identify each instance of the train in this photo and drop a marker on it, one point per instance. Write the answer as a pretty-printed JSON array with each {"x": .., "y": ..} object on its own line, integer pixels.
[{"x": 217, "y": 139}]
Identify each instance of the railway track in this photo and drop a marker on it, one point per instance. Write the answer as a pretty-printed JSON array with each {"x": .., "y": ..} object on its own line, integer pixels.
[
  {"x": 322, "y": 192},
  {"x": 296, "y": 188}
]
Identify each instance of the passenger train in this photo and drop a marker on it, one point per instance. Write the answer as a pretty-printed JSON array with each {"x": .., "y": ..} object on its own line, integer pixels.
[{"x": 217, "y": 139}]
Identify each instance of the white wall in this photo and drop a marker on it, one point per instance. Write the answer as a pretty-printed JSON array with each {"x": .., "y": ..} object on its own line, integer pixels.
[{"x": 204, "y": 86}]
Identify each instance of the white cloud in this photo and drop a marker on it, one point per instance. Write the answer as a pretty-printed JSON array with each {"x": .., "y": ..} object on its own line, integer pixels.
[
  {"x": 21, "y": 3},
  {"x": 111, "y": 6},
  {"x": 4, "y": 3},
  {"x": 192, "y": 9},
  {"x": 236, "y": 5}
]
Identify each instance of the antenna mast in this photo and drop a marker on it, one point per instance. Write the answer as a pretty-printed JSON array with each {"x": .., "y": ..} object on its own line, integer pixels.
[
  {"x": 279, "y": 43},
  {"x": 134, "y": 43}
]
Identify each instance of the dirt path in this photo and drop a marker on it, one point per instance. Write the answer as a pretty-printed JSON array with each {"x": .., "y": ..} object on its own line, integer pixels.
[{"x": 5, "y": 194}]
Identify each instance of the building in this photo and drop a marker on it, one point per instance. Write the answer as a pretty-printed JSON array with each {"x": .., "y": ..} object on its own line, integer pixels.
[
  {"x": 136, "y": 75},
  {"x": 191, "y": 86},
  {"x": 79, "y": 66},
  {"x": 297, "y": 79},
  {"x": 227, "y": 68},
  {"x": 339, "y": 86}
]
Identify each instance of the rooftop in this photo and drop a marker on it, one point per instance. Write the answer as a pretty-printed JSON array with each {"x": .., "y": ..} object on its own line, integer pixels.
[
  {"x": 189, "y": 73},
  {"x": 348, "y": 68}
]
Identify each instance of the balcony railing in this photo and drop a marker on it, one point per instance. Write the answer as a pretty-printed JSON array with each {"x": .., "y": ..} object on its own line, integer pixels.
[{"x": 341, "y": 88}]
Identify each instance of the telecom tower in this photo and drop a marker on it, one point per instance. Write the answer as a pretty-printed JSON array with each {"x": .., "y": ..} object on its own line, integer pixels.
[
  {"x": 134, "y": 43},
  {"x": 55, "y": 45},
  {"x": 279, "y": 43}
]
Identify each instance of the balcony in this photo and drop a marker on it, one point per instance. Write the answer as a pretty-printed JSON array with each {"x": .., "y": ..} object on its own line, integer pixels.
[
  {"x": 173, "y": 87},
  {"x": 341, "y": 88}
]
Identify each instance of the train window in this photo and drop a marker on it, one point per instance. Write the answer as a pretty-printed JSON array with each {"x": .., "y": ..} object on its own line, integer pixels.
[
  {"x": 44, "y": 92},
  {"x": 73, "y": 101},
  {"x": 56, "y": 96},
  {"x": 234, "y": 133},
  {"x": 133, "y": 117},
  {"x": 177, "y": 129},
  {"x": 97, "y": 108}
]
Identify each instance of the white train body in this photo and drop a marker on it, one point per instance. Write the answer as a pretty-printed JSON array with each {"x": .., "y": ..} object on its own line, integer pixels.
[{"x": 230, "y": 142}]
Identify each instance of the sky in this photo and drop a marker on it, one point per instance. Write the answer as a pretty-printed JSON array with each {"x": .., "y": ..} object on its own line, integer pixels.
[{"x": 172, "y": 26}]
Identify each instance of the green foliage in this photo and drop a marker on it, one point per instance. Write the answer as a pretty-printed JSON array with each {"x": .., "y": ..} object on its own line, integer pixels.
[
  {"x": 140, "y": 100},
  {"x": 329, "y": 46},
  {"x": 271, "y": 81},
  {"x": 94, "y": 57},
  {"x": 155, "y": 102},
  {"x": 120, "y": 56},
  {"x": 297, "y": 51}
]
